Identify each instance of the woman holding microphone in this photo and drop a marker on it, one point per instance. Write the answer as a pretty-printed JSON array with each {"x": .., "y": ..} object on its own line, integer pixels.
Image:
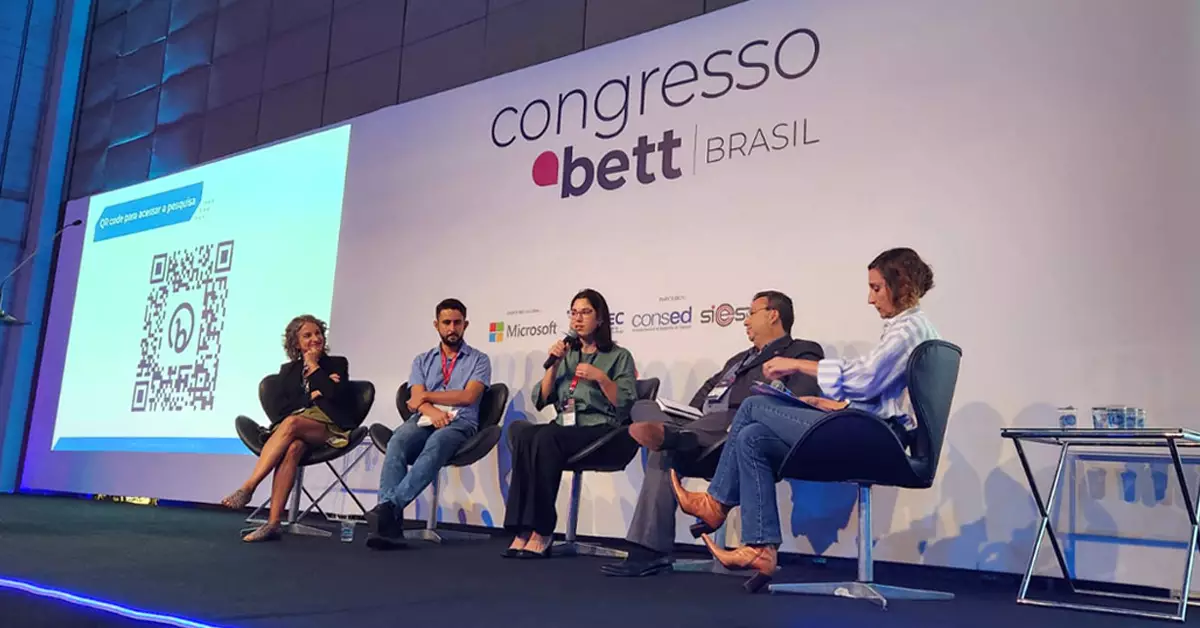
[{"x": 592, "y": 386}]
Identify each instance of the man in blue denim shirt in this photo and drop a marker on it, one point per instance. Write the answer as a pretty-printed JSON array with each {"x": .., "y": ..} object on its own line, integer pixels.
[{"x": 445, "y": 387}]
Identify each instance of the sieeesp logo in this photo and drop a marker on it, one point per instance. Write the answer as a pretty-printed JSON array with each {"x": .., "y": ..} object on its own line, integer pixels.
[
  {"x": 498, "y": 331},
  {"x": 792, "y": 57},
  {"x": 723, "y": 315}
]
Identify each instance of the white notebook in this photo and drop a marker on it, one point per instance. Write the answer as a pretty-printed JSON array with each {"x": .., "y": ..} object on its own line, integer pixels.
[
  {"x": 679, "y": 410},
  {"x": 425, "y": 421}
]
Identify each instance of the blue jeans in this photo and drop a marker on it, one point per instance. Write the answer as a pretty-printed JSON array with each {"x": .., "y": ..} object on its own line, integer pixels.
[
  {"x": 426, "y": 450},
  {"x": 763, "y": 432}
]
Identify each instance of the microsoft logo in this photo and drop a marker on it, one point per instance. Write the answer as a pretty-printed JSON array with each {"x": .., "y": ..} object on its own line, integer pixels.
[{"x": 497, "y": 330}]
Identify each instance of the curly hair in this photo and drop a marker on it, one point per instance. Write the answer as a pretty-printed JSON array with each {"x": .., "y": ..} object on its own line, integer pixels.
[
  {"x": 291, "y": 335},
  {"x": 908, "y": 277}
]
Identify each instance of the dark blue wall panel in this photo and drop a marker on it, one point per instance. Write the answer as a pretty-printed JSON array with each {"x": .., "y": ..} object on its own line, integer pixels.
[{"x": 174, "y": 83}]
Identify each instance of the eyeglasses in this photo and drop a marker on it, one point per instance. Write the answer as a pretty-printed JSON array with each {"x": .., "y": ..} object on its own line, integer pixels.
[
  {"x": 580, "y": 313},
  {"x": 753, "y": 312}
]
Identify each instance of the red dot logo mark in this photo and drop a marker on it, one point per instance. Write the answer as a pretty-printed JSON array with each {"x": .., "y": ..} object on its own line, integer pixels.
[{"x": 545, "y": 169}]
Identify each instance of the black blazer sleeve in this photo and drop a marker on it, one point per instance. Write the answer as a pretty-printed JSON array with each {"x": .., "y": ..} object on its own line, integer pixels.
[
  {"x": 320, "y": 380},
  {"x": 800, "y": 384}
]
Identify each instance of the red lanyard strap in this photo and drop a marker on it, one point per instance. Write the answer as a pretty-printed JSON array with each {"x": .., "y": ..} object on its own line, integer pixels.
[
  {"x": 575, "y": 381},
  {"x": 448, "y": 368}
]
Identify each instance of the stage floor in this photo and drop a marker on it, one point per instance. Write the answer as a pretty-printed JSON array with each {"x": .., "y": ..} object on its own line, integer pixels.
[{"x": 189, "y": 563}]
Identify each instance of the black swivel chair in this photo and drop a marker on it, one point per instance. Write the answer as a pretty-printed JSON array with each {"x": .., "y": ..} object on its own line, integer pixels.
[
  {"x": 254, "y": 436},
  {"x": 609, "y": 453},
  {"x": 491, "y": 410},
  {"x": 854, "y": 446}
]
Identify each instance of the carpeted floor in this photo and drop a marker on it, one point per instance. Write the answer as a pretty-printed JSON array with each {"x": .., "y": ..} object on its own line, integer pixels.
[
  {"x": 190, "y": 563},
  {"x": 24, "y": 610}
]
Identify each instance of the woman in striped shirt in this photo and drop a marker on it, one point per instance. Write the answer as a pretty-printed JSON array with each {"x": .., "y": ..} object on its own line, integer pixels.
[{"x": 765, "y": 429}]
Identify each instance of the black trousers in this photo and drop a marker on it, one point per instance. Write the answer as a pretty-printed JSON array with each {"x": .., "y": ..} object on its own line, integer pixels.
[{"x": 539, "y": 456}]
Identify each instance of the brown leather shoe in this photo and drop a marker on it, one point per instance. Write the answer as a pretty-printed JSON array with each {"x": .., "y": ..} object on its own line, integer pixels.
[
  {"x": 709, "y": 511},
  {"x": 762, "y": 559},
  {"x": 648, "y": 435}
]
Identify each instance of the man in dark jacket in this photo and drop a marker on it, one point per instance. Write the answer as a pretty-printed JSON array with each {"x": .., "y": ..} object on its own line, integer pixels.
[{"x": 676, "y": 442}]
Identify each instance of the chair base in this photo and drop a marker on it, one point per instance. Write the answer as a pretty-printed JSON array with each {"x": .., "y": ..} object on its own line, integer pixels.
[
  {"x": 576, "y": 548},
  {"x": 289, "y": 527},
  {"x": 711, "y": 566},
  {"x": 441, "y": 536},
  {"x": 878, "y": 593}
]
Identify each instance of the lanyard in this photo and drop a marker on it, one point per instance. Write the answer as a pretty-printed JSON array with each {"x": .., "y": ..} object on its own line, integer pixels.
[
  {"x": 731, "y": 375},
  {"x": 575, "y": 381},
  {"x": 448, "y": 368}
]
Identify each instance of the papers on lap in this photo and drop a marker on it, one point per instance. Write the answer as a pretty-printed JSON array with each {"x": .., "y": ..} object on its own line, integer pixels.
[
  {"x": 425, "y": 421},
  {"x": 679, "y": 410}
]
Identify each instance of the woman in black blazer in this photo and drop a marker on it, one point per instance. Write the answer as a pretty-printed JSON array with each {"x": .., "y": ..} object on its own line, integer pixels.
[{"x": 308, "y": 404}]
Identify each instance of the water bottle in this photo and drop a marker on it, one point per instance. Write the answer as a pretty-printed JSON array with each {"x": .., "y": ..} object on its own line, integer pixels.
[{"x": 347, "y": 531}]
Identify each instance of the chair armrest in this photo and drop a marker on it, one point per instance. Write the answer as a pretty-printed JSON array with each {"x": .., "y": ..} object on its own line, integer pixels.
[
  {"x": 325, "y": 453},
  {"x": 380, "y": 435},
  {"x": 596, "y": 444},
  {"x": 476, "y": 447},
  {"x": 704, "y": 465},
  {"x": 611, "y": 452},
  {"x": 253, "y": 435}
]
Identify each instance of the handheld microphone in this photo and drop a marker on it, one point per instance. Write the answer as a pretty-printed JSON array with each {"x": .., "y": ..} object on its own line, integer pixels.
[
  {"x": 572, "y": 338},
  {"x": 5, "y": 317}
]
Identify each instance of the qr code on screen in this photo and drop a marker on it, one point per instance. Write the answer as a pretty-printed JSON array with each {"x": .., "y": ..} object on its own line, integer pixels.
[{"x": 185, "y": 314}]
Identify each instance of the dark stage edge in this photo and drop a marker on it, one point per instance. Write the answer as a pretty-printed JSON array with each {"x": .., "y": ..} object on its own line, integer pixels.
[{"x": 190, "y": 563}]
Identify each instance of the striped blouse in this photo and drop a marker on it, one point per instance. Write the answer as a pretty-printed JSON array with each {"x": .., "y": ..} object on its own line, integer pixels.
[{"x": 878, "y": 382}]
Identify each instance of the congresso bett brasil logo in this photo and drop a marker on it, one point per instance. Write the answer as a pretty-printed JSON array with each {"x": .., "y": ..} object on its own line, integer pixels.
[{"x": 647, "y": 160}]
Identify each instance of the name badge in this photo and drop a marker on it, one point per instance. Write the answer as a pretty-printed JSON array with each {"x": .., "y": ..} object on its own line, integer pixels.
[
  {"x": 715, "y": 401},
  {"x": 717, "y": 393},
  {"x": 568, "y": 414}
]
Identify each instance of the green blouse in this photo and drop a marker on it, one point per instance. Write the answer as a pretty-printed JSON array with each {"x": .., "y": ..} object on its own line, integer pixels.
[{"x": 591, "y": 406}]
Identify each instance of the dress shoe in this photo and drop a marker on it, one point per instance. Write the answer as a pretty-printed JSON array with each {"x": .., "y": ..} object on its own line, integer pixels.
[
  {"x": 761, "y": 559},
  {"x": 638, "y": 568},
  {"x": 709, "y": 511},
  {"x": 545, "y": 553},
  {"x": 384, "y": 530},
  {"x": 379, "y": 514}
]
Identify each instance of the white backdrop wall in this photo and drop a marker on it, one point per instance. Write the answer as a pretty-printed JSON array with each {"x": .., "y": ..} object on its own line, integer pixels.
[
  {"x": 1033, "y": 152},
  {"x": 1041, "y": 156}
]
